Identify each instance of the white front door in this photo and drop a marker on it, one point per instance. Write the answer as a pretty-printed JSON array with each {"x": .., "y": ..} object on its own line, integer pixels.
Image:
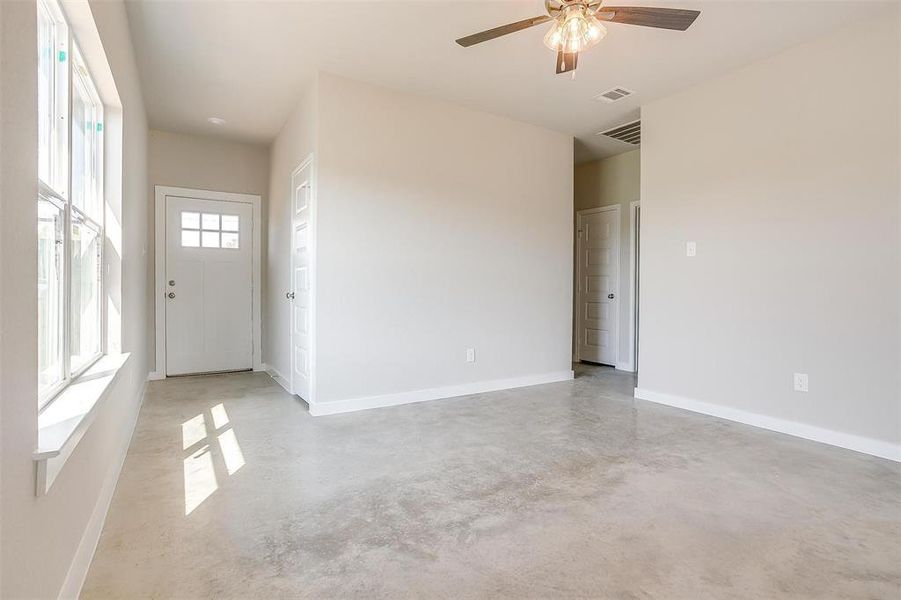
[
  {"x": 300, "y": 295},
  {"x": 209, "y": 286},
  {"x": 598, "y": 273}
]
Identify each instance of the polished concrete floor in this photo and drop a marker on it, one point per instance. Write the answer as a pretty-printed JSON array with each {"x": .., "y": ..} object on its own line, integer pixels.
[{"x": 567, "y": 490}]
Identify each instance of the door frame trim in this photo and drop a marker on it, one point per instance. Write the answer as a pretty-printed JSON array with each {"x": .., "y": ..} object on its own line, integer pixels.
[
  {"x": 161, "y": 192},
  {"x": 579, "y": 216},
  {"x": 634, "y": 290}
]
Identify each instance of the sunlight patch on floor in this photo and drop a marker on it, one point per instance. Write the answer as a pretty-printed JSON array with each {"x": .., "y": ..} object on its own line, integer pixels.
[
  {"x": 220, "y": 417},
  {"x": 200, "y": 465},
  {"x": 231, "y": 451},
  {"x": 193, "y": 431},
  {"x": 200, "y": 479}
]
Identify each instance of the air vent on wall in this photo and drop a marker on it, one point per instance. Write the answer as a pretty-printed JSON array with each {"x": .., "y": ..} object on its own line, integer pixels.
[
  {"x": 629, "y": 133},
  {"x": 612, "y": 95}
]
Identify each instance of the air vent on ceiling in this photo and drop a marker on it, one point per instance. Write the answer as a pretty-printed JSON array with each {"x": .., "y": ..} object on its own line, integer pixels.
[
  {"x": 629, "y": 133},
  {"x": 612, "y": 95}
]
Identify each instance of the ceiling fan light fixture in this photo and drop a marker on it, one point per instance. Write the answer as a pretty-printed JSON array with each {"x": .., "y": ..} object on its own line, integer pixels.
[
  {"x": 575, "y": 30},
  {"x": 577, "y": 26}
]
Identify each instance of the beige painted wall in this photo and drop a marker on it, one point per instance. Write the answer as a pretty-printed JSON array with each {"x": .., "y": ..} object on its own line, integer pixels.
[
  {"x": 192, "y": 161},
  {"x": 614, "y": 180},
  {"x": 793, "y": 200},
  {"x": 207, "y": 163},
  {"x": 428, "y": 244},
  {"x": 294, "y": 143},
  {"x": 2, "y": 272},
  {"x": 42, "y": 536},
  {"x": 440, "y": 229}
]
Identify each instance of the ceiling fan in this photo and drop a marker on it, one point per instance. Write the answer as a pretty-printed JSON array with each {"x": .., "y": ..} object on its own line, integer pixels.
[{"x": 577, "y": 26}]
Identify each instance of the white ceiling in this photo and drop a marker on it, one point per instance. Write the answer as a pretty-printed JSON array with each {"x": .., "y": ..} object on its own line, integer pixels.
[{"x": 247, "y": 61}]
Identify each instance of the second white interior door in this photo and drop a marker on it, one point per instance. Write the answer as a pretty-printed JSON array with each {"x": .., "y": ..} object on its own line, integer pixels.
[
  {"x": 209, "y": 286},
  {"x": 300, "y": 295},
  {"x": 598, "y": 285}
]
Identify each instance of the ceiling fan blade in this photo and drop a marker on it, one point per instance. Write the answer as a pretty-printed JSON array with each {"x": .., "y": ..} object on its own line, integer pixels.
[
  {"x": 567, "y": 61},
  {"x": 664, "y": 18},
  {"x": 490, "y": 34}
]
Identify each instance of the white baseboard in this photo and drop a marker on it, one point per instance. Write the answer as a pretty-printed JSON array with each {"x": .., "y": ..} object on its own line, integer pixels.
[
  {"x": 155, "y": 376},
  {"x": 84, "y": 554},
  {"x": 451, "y": 391},
  {"x": 848, "y": 441},
  {"x": 278, "y": 377}
]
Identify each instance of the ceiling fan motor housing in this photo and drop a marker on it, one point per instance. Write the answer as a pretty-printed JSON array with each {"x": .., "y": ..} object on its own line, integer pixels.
[{"x": 577, "y": 25}]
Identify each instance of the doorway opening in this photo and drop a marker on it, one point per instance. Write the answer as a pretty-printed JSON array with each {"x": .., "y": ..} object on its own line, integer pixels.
[
  {"x": 607, "y": 286},
  {"x": 207, "y": 282}
]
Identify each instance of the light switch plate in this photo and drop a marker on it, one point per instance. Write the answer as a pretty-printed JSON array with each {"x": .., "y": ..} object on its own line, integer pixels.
[
  {"x": 691, "y": 249},
  {"x": 800, "y": 381},
  {"x": 470, "y": 355}
]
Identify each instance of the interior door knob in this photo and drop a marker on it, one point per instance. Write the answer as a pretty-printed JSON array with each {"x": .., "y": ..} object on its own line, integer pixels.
[
  {"x": 171, "y": 295},
  {"x": 610, "y": 296},
  {"x": 290, "y": 295}
]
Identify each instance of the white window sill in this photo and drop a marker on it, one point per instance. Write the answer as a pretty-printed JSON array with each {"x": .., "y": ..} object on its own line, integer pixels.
[{"x": 63, "y": 422}]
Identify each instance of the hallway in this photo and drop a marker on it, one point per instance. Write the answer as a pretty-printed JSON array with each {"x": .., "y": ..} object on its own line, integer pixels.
[{"x": 232, "y": 490}]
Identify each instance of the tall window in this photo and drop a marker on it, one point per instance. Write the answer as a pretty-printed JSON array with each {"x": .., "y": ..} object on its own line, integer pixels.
[{"x": 70, "y": 207}]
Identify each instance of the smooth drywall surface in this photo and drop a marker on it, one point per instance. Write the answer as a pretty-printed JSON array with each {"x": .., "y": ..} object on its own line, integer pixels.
[
  {"x": 295, "y": 142},
  {"x": 786, "y": 175},
  {"x": 191, "y": 161},
  {"x": 2, "y": 272},
  {"x": 439, "y": 229},
  {"x": 42, "y": 536},
  {"x": 16, "y": 21},
  {"x": 614, "y": 180},
  {"x": 204, "y": 163}
]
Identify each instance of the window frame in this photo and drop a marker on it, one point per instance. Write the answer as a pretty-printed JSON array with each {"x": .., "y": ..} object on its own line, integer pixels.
[
  {"x": 202, "y": 228},
  {"x": 59, "y": 191},
  {"x": 60, "y": 97},
  {"x": 46, "y": 395}
]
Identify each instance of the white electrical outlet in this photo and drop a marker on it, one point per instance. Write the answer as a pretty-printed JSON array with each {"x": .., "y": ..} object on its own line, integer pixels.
[
  {"x": 800, "y": 381},
  {"x": 470, "y": 355},
  {"x": 691, "y": 249}
]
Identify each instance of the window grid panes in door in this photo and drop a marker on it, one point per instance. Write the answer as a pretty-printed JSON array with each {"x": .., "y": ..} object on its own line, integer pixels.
[{"x": 210, "y": 230}]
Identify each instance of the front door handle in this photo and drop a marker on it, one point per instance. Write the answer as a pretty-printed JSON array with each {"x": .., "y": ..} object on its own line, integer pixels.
[
  {"x": 290, "y": 295},
  {"x": 610, "y": 296}
]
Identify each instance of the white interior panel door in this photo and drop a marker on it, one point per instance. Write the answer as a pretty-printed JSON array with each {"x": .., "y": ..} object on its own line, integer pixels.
[
  {"x": 209, "y": 286},
  {"x": 300, "y": 295},
  {"x": 598, "y": 268}
]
